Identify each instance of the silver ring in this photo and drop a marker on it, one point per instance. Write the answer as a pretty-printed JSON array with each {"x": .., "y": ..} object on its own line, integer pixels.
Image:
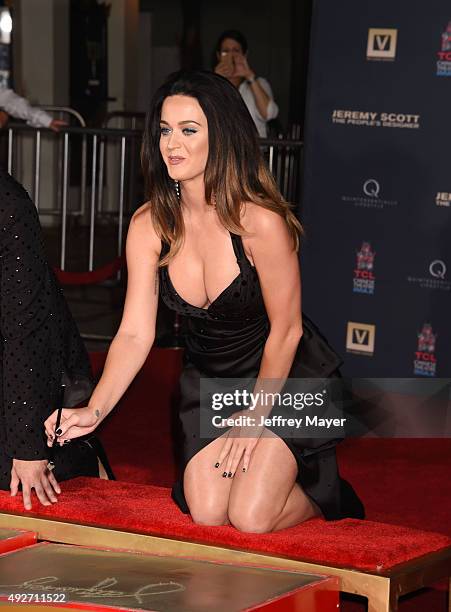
[{"x": 50, "y": 466}]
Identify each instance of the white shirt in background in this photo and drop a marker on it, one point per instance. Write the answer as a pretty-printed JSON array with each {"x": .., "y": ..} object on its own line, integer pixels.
[
  {"x": 20, "y": 108},
  {"x": 248, "y": 97}
]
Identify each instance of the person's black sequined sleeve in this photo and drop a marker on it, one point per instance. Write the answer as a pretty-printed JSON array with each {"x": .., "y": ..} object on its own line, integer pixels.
[
  {"x": 24, "y": 316},
  {"x": 41, "y": 347}
]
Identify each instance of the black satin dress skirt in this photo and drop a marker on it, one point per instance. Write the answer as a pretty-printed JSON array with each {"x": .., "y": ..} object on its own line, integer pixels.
[{"x": 318, "y": 473}]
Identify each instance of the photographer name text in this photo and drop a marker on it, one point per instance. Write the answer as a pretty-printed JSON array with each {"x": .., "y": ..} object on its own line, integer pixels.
[{"x": 277, "y": 421}]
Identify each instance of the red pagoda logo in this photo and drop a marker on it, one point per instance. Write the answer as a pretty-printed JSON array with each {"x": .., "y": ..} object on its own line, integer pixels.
[
  {"x": 446, "y": 38},
  {"x": 364, "y": 279},
  {"x": 444, "y": 55},
  {"x": 425, "y": 363}
]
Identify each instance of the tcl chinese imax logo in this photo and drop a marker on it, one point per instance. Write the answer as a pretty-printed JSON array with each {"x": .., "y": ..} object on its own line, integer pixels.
[
  {"x": 425, "y": 362},
  {"x": 381, "y": 44}
]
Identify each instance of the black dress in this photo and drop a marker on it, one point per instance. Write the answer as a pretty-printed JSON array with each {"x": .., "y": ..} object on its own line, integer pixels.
[
  {"x": 40, "y": 347},
  {"x": 226, "y": 340}
]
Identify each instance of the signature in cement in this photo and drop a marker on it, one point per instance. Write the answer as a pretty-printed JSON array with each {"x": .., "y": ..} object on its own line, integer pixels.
[{"x": 104, "y": 588}]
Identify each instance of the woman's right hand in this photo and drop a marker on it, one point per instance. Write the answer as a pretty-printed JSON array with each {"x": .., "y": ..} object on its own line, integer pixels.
[
  {"x": 75, "y": 422},
  {"x": 225, "y": 67}
]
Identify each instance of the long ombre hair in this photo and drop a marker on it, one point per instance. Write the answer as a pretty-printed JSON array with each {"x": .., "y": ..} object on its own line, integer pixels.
[{"x": 235, "y": 172}]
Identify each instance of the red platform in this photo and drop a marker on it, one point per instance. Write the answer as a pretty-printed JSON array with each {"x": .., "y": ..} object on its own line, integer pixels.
[{"x": 12, "y": 539}]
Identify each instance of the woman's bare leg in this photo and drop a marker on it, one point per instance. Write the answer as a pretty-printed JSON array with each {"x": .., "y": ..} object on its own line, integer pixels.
[
  {"x": 267, "y": 497},
  {"x": 206, "y": 491}
]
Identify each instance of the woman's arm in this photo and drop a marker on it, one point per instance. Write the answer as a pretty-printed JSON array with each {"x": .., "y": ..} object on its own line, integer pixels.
[
  {"x": 264, "y": 100},
  {"x": 261, "y": 89},
  {"x": 20, "y": 108},
  {"x": 136, "y": 333},
  {"x": 135, "y": 336},
  {"x": 277, "y": 266},
  {"x": 278, "y": 270}
]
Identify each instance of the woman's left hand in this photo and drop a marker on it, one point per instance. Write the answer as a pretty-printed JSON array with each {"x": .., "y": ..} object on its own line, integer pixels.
[
  {"x": 239, "y": 443},
  {"x": 75, "y": 422},
  {"x": 242, "y": 68}
]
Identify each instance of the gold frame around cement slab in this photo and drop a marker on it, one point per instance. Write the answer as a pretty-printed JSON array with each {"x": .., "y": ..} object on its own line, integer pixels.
[{"x": 381, "y": 589}]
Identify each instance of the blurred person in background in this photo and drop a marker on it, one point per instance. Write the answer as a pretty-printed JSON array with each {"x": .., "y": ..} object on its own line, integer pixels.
[
  {"x": 19, "y": 108},
  {"x": 231, "y": 55}
]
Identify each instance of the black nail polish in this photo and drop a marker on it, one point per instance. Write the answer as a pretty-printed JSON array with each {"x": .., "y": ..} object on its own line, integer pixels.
[
  {"x": 244, "y": 469},
  {"x": 224, "y": 474},
  {"x": 59, "y": 431},
  {"x": 66, "y": 441},
  {"x": 229, "y": 475},
  {"x": 217, "y": 465}
]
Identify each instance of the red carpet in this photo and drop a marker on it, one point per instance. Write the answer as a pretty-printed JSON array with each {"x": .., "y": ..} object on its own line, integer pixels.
[{"x": 147, "y": 509}]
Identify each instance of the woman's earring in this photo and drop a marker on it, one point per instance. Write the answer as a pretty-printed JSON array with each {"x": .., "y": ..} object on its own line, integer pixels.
[{"x": 177, "y": 189}]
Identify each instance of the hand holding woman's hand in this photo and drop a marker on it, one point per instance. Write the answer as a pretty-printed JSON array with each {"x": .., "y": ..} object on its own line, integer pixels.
[
  {"x": 239, "y": 444},
  {"x": 75, "y": 422}
]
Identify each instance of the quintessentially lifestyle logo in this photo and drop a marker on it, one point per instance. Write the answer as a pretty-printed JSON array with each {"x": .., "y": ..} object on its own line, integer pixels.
[
  {"x": 375, "y": 119},
  {"x": 371, "y": 196},
  {"x": 371, "y": 188},
  {"x": 360, "y": 338},
  {"x": 425, "y": 362},
  {"x": 443, "y": 199},
  {"x": 381, "y": 44},
  {"x": 444, "y": 55},
  {"x": 436, "y": 279},
  {"x": 364, "y": 279},
  {"x": 437, "y": 268}
]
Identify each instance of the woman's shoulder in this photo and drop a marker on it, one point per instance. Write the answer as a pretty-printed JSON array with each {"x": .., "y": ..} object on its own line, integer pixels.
[
  {"x": 260, "y": 221},
  {"x": 142, "y": 229}
]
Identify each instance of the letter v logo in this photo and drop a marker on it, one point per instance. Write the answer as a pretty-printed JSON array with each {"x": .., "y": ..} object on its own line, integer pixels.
[
  {"x": 381, "y": 44},
  {"x": 360, "y": 335},
  {"x": 360, "y": 338}
]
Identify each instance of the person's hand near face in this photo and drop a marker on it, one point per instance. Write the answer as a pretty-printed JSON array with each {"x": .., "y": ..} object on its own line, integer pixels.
[
  {"x": 226, "y": 66},
  {"x": 232, "y": 62},
  {"x": 237, "y": 69},
  {"x": 242, "y": 68}
]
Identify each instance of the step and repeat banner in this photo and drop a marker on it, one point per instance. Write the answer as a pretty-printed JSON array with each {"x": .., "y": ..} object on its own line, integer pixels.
[{"x": 376, "y": 258}]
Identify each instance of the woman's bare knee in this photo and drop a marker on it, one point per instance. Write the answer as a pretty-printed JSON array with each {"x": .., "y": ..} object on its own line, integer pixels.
[
  {"x": 203, "y": 515},
  {"x": 253, "y": 524},
  {"x": 250, "y": 520}
]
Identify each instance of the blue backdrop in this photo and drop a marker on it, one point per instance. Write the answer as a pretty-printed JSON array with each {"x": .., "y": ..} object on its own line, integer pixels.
[{"x": 376, "y": 259}]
